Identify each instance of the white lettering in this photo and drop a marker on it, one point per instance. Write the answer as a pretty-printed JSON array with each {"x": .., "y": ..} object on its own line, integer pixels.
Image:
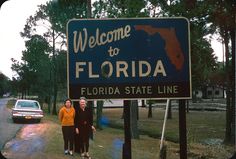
[
  {"x": 80, "y": 42},
  {"x": 109, "y": 36},
  {"x": 141, "y": 73},
  {"x": 78, "y": 69},
  {"x": 120, "y": 69},
  {"x": 92, "y": 42},
  {"x": 91, "y": 75},
  {"x": 159, "y": 69},
  {"x": 167, "y": 89},
  {"x": 83, "y": 91},
  {"x": 138, "y": 90},
  {"x": 133, "y": 69},
  {"x": 103, "y": 35},
  {"x": 79, "y": 45},
  {"x": 99, "y": 91}
]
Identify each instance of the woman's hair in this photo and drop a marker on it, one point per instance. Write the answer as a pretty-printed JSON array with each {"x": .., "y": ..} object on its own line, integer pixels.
[
  {"x": 68, "y": 100},
  {"x": 83, "y": 98}
]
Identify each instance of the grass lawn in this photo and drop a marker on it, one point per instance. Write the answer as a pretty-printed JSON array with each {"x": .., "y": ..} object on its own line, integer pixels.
[
  {"x": 107, "y": 144},
  {"x": 203, "y": 129},
  {"x": 201, "y": 125}
]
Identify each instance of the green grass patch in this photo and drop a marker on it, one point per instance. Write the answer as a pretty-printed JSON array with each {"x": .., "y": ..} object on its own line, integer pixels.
[
  {"x": 107, "y": 144},
  {"x": 54, "y": 146},
  {"x": 201, "y": 125},
  {"x": 10, "y": 103}
]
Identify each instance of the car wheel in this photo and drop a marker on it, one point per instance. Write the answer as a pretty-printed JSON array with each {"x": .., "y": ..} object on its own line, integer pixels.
[{"x": 14, "y": 120}]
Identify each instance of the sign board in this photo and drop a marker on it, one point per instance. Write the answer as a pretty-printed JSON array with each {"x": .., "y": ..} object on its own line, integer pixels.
[{"x": 129, "y": 58}]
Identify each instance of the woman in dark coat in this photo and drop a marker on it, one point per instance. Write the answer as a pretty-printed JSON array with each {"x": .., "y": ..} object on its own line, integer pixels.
[{"x": 84, "y": 126}]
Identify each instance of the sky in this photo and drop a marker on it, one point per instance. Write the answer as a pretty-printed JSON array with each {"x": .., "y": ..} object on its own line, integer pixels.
[{"x": 13, "y": 15}]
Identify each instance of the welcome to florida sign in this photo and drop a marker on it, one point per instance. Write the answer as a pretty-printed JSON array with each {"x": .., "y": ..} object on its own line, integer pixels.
[{"x": 129, "y": 58}]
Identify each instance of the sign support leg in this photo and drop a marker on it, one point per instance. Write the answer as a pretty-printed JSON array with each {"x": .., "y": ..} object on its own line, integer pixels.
[
  {"x": 182, "y": 129},
  {"x": 164, "y": 124},
  {"x": 126, "y": 154}
]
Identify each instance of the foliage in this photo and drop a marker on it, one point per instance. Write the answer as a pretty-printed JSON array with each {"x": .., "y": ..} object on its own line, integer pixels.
[
  {"x": 34, "y": 70},
  {"x": 120, "y": 8},
  {"x": 4, "y": 84},
  {"x": 57, "y": 14},
  {"x": 223, "y": 16},
  {"x": 44, "y": 59},
  {"x": 51, "y": 17},
  {"x": 202, "y": 58},
  {"x": 207, "y": 17}
]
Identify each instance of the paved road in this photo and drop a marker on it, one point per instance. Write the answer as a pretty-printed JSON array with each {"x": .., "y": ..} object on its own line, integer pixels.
[
  {"x": 29, "y": 142},
  {"x": 8, "y": 129}
]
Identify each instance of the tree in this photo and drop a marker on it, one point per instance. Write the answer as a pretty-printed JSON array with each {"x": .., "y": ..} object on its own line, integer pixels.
[
  {"x": 4, "y": 84},
  {"x": 222, "y": 15},
  {"x": 120, "y": 8},
  {"x": 206, "y": 18},
  {"x": 53, "y": 17},
  {"x": 33, "y": 71},
  {"x": 150, "y": 109},
  {"x": 20, "y": 81},
  {"x": 123, "y": 8},
  {"x": 203, "y": 60}
]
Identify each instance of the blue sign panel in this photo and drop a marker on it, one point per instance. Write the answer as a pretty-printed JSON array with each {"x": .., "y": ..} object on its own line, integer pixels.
[{"x": 129, "y": 58}]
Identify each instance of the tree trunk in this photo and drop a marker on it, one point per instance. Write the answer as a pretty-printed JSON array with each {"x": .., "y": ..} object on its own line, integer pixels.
[
  {"x": 232, "y": 35},
  {"x": 143, "y": 103},
  {"x": 123, "y": 113},
  {"x": 187, "y": 106},
  {"x": 50, "y": 90},
  {"x": 137, "y": 111},
  {"x": 89, "y": 9},
  {"x": 49, "y": 104},
  {"x": 54, "y": 109},
  {"x": 213, "y": 93},
  {"x": 149, "y": 109},
  {"x": 228, "y": 95},
  {"x": 99, "y": 114},
  {"x": 134, "y": 122},
  {"x": 194, "y": 99}
]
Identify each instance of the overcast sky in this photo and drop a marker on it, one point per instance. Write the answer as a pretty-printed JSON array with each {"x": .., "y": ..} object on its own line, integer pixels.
[{"x": 13, "y": 15}]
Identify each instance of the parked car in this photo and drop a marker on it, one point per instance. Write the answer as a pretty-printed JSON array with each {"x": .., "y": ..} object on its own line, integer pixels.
[{"x": 27, "y": 109}]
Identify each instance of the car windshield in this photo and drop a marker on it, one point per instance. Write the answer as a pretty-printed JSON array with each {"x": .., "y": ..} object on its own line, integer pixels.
[{"x": 27, "y": 104}]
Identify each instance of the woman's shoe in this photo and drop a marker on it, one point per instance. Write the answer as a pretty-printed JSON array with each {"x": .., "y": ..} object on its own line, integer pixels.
[
  {"x": 66, "y": 152},
  {"x": 87, "y": 154},
  {"x": 82, "y": 154},
  {"x": 71, "y": 153}
]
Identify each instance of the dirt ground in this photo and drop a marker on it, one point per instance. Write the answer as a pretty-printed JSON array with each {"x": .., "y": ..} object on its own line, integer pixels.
[{"x": 28, "y": 143}]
